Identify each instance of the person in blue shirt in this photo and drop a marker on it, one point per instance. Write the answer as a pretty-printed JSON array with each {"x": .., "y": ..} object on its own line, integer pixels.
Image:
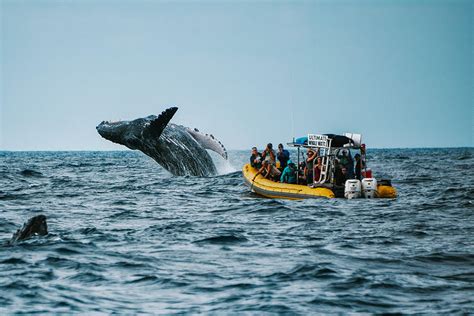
[
  {"x": 283, "y": 156},
  {"x": 289, "y": 173}
]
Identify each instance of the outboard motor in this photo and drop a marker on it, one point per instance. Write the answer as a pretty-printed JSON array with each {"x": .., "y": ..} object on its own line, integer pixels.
[
  {"x": 352, "y": 189},
  {"x": 369, "y": 188}
]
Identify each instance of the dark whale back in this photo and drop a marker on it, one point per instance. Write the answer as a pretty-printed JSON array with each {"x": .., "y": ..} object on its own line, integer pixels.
[{"x": 34, "y": 226}]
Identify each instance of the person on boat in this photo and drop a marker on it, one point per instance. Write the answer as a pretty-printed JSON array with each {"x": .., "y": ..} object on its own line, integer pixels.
[
  {"x": 344, "y": 176},
  {"x": 309, "y": 165},
  {"x": 317, "y": 168},
  {"x": 350, "y": 167},
  {"x": 347, "y": 162},
  {"x": 289, "y": 173},
  {"x": 301, "y": 172},
  {"x": 343, "y": 159},
  {"x": 339, "y": 174},
  {"x": 283, "y": 156},
  {"x": 358, "y": 167},
  {"x": 269, "y": 154},
  {"x": 256, "y": 158},
  {"x": 269, "y": 171}
]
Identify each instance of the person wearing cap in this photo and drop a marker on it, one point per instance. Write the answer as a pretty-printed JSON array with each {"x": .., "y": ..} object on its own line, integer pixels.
[
  {"x": 289, "y": 173},
  {"x": 283, "y": 156}
]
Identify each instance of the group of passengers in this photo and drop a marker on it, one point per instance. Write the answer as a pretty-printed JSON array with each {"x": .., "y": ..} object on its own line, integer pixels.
[
  {"x": 265, "y": 162},
  {"x": 308, "y": 171}
]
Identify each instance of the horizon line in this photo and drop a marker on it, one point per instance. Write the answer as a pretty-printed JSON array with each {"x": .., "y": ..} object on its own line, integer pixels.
[{"x": 232, "y": 149}]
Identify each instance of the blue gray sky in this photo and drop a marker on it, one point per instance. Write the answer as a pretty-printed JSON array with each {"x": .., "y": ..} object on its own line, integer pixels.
[{"x": 398, "y": 72}]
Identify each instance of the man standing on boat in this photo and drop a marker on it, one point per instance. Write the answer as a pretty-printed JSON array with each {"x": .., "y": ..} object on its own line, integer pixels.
[{"x": 310, "y": 165}]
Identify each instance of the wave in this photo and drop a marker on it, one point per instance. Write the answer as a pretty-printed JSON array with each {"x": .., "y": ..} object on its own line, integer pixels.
[
  {"x": 10, "y": 196},
  {"x": 145, "y": 279},
  {"x": 134, "y": 239},
  {"x": 306, "y": 272},
  {"x": 31, "y": 173},
  {"x": 88, "y": 277},
  {"x": 14, "y": 261},
  {"x": 447, "y": 258},
  {"x": 223, "y": 240},
  {"x": 465, "y": 156}
]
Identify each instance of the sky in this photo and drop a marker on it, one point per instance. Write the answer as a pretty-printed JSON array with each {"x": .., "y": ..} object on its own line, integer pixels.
[{"x": 250, "y": 72}]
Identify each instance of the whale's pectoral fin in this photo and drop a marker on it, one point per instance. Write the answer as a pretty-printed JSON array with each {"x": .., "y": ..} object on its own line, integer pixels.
[
  {"x": 157, "y": 126},
  {"x": 208, "y": 141}
]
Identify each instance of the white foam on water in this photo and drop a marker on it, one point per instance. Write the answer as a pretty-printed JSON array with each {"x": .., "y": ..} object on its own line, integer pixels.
[{"x": 223, "y": 166}]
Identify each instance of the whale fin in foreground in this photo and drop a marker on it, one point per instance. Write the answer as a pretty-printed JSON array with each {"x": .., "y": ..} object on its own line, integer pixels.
[
  {"x": 208, "y": 141},
  {"x": 34, "y": 226},
  {"x": 157, "y": 126}
]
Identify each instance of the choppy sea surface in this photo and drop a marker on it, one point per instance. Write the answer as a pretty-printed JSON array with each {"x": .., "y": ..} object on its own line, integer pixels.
[{"x": 127, "y": 237}]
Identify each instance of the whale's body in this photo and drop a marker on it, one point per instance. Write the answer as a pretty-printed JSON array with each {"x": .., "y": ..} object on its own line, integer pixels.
[
  {"x": 178, "y": 149},
  {"x": 34, "y": 226}
]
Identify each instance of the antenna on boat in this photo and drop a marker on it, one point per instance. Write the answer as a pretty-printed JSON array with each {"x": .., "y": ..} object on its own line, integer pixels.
[
  {"x": 292, "y": 108},
  {"x": 292, "y": 122}
]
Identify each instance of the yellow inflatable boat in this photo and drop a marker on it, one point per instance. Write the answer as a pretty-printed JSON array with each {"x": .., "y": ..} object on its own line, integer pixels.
[
  {"x": 330, "y": 152},
  {"x": 272, "y": 189},
  {"x": 277, "y": 190}
]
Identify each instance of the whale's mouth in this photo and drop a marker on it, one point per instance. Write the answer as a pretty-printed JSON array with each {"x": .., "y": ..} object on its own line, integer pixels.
[{"x": 129, "y": 132}]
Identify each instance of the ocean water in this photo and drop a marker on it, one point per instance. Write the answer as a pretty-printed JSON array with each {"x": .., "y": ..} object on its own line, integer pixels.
[{"x": 127, "y": 237}]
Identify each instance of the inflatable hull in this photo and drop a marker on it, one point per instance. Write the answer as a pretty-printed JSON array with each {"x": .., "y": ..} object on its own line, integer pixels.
[
  {"x": 272, "y": 189},
  {"x": 279, "y": 190}
]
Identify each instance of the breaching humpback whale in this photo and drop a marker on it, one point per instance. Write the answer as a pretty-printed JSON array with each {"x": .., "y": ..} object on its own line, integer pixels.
[
  {"x": 178, "y": 149},
  {"x": 34, "y": 226}
]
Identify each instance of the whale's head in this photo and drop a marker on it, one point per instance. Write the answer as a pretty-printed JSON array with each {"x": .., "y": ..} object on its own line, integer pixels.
[
  {"x": 117, "y": 131},
  {"x": 133, "y": 133},
  {"x": 37, "y": 225}
]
